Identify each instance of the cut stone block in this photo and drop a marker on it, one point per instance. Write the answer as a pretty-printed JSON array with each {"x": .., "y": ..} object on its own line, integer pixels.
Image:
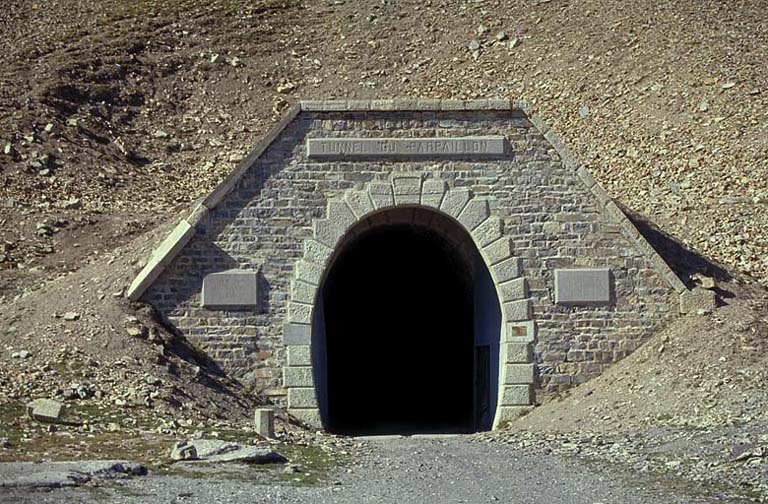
[
  {"x": 498, "y": 251},
  {"x": 316, "y": 252},
  {"x": 489, "y": 231},
  {"x": 303, "y": 292},
  {"x": 299, "y": 355},
  {"x": 381, "y": 195},
  {"x": 231, "y": 289},
  {"x": 299, "y": 313},
  {"x": 407, "y": 190},
  {"x": 454, "y": 201},
  {"x": 309, "y": 416},
  {"x": 265, "y": 422},
  {"x": 518, "y": 310},
  {"x": 518, "y": 353},
  {"x": 518, "y": 373},
  {"x": 359, "y": 202},
  {"x": 582, "y": 286},
  {"x": 297, "y": 334},
  {"x": 697, "y": 300},
  {"x": 297, "y": 377},
  {"x": 516, "y": 395},
  {"x": 340, "y": 215},
  {"x": 327, "y": 232},
  {"x": 475, "y": 212},
  {"x": 308, "y": 272},
  {"x": 45, "y": 410},
  {"x": 507, "y": 270},
  {"x": 514, "y": 290},
  {"x": 520, "y": 332},
  {"x": 301, "y": 398},
  {"x": 512, "y": 413},
  {"x": 432, "y": 192}
]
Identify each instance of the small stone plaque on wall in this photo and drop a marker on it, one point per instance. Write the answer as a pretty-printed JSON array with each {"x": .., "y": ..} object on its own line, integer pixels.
[
  {"x": 583, "y": 286},
  {"x": 232, "y": 289}
]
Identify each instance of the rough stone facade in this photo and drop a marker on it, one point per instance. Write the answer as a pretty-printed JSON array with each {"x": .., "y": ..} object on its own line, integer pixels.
[{"x": 553, "y": 212}]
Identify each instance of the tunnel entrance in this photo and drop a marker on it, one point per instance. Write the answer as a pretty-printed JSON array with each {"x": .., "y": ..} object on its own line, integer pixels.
[{"x": 400, "y": 336}]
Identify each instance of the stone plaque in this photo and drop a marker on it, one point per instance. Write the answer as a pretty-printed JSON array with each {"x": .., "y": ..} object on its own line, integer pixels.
[
  {"x": 231, "y": 289},
  {"x": 583, "y": 286},
  {"x": 476, "y": 146}
]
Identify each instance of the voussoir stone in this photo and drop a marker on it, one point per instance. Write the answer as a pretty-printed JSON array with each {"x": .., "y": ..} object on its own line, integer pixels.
[
  {"x": 475, "y": 212},
  {"x": 359, "y": 202},
  {"x": 381, "y": 194},
  {"x": 489, "y": 231},
  {"x": 454, "y": 201}
]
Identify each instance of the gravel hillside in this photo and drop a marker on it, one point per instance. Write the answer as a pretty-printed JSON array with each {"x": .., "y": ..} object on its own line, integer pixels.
[{"x": 114, "y": 116}]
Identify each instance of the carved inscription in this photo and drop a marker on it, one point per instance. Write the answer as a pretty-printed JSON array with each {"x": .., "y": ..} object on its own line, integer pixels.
[{"x": 383, "y": 147}]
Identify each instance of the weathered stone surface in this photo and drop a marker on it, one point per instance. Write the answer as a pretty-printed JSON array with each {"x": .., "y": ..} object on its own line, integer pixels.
[
  {"x": 489, "y": 231},
  {"x": 476, "y": 147},
  {"x": 303, "y": 292},
  {"x": 299, "y": 355},
  {"x": 381, "y": 195},
  {"x": 231, "y": 289},
  {"x": 581, "y": 286},
  {"x": 518, "y": 310},
  {"x": 407, "y": 190},
  {"x": 498, "y": 251},
  {"x": 432, "y": 192},
  {"x": 518, "y": 373},
  {"x": 45, "y": 410},
  {"x": 299, "y": 313},
  {"x": 516, "y": 395},
  {"x": 215, "y": 450},
  {"x": 297, "y": 334},
  {"x": 298, "y": 377},
  {"x": 309, "y": 416},
  {"x": 507, "y": 270},
  {"x": 520, "y": 332},
  {"x": 514, "y": 290},
  {"x": 698, "y": 300},
  {"x": 308, "y": 272},
  {"x": 454, "y": 201},
  {"x": 340, "y": 215},
  {"x": 264, "y": 419},
  {"x": 327, "y": 232},
  {"x": 316, "y": 252},
  {"x": 517, "y": 353},
  {"x": 302, "y": 398},
  {"x": 475, "y": 212},
  {"x": 65, "y": 474},
  {"x": 359, "y": 202},
  {"x": 511, "y": 413}
]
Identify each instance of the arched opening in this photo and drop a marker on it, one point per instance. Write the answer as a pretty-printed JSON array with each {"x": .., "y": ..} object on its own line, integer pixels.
[{"x": 407, "y": 320}]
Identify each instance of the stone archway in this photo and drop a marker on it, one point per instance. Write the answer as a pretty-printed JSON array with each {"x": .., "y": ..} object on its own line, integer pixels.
[{"x": 304, "y": 378}]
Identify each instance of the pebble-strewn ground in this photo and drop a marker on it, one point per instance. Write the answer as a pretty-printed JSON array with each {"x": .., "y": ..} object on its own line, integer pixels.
[{"x": 430, "y": 471}]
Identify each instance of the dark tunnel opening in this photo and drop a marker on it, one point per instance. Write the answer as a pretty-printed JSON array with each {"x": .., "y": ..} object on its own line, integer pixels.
[{"x": 398, "y": 311}]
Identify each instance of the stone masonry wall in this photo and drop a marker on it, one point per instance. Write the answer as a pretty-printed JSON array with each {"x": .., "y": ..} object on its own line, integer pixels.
[{"x": 553, "y": 218}]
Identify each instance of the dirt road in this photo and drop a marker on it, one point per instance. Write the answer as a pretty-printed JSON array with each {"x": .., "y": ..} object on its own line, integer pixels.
[{"x": 402, "y": 470}]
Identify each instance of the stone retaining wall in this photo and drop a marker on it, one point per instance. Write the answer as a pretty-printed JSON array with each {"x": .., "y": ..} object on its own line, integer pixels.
[{"x": 553, "y": 212}]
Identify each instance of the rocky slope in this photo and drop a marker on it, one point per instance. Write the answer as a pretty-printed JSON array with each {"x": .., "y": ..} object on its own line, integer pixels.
[{"x": 115, "y": 116}]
